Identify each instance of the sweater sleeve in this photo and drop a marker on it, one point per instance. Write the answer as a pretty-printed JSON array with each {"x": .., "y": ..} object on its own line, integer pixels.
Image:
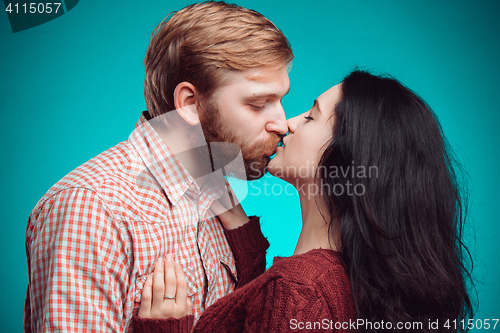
[
  {"x": 249, "y": 248},
  {"x": 148, "y": 325}
]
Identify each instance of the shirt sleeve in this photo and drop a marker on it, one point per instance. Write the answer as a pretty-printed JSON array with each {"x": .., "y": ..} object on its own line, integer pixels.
[
  {"x": 249, "y": 248},
  {"x": 78, "y": 266}
]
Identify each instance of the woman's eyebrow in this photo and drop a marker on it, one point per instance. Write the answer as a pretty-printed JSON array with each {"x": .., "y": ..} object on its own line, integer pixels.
[{"x": 316, "y": 104}]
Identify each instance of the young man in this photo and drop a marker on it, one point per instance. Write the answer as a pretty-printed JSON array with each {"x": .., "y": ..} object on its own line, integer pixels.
[{"x": 93, "y": 238}]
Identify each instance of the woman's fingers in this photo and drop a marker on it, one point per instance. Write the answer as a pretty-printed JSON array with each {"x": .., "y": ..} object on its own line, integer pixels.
[
  {"x": 146, "y": 299},
  {"x": 158, "y": 284},
  {"x": 217, "y": 208},
  {"x": 165, "y": 292},
  {"x": 181, "y": 299},
  {"x": 228, "y": 199},
  {"x": 170, "y": 279},
  {"x": 232, "y": 218}
]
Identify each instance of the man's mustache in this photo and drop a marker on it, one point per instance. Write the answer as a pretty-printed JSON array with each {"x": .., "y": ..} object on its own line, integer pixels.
[{"x": 260, "y": 149}]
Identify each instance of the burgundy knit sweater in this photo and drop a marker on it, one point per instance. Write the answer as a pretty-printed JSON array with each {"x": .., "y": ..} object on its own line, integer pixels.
[{"x": 309, "y": 292}]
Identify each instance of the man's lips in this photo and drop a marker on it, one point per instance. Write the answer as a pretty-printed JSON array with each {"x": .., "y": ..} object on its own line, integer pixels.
[{"x": 273, "y": 150}]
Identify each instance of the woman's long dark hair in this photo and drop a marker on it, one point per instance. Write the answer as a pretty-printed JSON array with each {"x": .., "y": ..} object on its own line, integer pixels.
[{"x": 402, "y": 220}]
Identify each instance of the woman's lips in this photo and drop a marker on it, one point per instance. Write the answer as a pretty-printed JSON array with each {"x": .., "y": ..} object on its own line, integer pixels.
[
  {"x": 271, "y": 152},
  {"x": 281, "y": 145}
]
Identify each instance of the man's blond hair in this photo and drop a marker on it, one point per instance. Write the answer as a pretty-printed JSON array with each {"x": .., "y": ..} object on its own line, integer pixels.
[{"x": 201, "y": 42}]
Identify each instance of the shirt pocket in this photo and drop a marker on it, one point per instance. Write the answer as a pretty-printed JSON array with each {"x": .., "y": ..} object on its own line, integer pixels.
[
  {"x": 221, "y": 277},
  {"x": 228, "y": 263}
]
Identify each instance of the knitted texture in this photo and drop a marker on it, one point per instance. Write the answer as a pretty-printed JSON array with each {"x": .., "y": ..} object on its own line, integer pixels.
[
  {"x": 185, "y": 324},
  {"x": 311, "y": 291},
  {"x": 308, "y": 292}
]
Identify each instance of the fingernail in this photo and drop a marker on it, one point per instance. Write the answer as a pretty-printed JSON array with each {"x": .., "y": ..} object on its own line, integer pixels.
[
  {"x": 160, "y": 261},
  {"x": 169, "y": 257}
]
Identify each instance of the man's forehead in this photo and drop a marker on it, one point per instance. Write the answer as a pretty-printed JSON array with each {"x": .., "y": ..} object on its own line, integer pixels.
[
  {"x": 258, "y": 74},
  {"x": 265, "y": 74},
  {"x": 257, "y": 82},
  {"x": 264, "y": 80}
]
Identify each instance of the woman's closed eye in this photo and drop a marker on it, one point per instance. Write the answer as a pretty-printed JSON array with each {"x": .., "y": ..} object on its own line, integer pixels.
[{"x": 308, "y": 118}]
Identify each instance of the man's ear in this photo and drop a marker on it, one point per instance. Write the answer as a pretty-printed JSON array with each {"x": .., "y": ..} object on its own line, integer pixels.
[{"x": 185, "y": 102}]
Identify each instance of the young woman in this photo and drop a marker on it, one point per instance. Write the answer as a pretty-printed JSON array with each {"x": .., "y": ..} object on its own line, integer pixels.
[{"x": 382, "y": 213}]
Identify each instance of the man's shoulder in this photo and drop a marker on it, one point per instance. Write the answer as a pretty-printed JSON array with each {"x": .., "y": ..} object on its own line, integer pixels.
[
  {"x": 109, "y": 169},
  {"x": 99, "y": 169}
]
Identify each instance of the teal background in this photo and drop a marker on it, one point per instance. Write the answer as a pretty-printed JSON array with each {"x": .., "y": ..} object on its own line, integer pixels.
[{"x": 73, "y": 87}]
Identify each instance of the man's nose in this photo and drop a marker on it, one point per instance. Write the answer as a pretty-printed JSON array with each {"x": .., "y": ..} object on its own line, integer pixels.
[{"x": 277, "y": 123}]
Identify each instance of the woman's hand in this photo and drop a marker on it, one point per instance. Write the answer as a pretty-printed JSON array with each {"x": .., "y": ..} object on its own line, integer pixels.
[
  {"x": 231, "y": 218},
  {"x": 165, "y": 294}
]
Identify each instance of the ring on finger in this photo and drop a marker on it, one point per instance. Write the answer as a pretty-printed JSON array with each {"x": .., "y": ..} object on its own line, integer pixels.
[{"x": 168, "y": 297}]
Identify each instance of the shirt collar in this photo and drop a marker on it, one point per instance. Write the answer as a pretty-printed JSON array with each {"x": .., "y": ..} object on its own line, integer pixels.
[
  {"x": 164, "y": 166},
  {"x": 216, "y": 184},
  {"x": 159, "y": 160}
]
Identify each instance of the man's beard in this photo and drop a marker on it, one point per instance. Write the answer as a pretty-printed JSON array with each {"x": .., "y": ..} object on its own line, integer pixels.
[{"x": 254, "y": 155}]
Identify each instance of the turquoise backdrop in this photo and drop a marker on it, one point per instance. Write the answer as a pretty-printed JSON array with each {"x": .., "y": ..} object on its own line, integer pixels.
[{"x": 73, "y": 87}]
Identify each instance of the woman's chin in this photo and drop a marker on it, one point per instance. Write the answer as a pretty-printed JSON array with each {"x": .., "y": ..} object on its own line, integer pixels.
[
  {"x": 272, "y": 169},
  {"x": 277, "y": 170}
]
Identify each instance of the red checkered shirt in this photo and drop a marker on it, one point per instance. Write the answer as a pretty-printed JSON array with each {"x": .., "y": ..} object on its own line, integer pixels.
[{"x": 95, "y": 236}]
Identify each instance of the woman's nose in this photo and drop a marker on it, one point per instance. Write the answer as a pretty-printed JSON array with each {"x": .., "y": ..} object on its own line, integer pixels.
[{"x": 292, "y": 124}]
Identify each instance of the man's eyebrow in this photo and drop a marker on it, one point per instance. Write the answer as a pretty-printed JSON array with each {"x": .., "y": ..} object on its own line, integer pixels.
[{"x": 266, "y": 95}]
